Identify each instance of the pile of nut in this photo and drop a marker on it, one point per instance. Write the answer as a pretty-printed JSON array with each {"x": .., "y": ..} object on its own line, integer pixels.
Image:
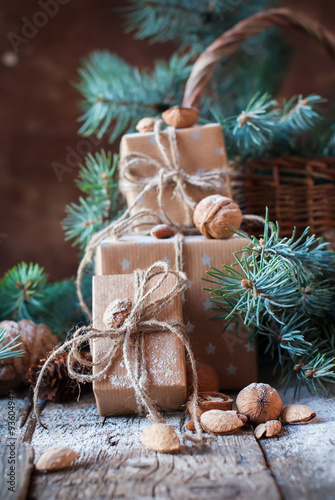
[{"x": 257, "y": 404}]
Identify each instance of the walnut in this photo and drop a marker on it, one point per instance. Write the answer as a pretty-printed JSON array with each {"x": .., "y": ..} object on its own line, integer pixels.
[
  {"x": 208, "y": 379},
  {"x": 216, "y": 216},
  {"x": 260, "y": 402},
  {"x": 116, "y": 312},
  {"x": 211, "y": 400},
  {"x": 145, "y": 125},
  {"x": 179, "y": 117}
]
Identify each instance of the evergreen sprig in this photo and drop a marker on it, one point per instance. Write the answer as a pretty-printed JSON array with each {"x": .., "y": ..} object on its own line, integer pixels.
[
  {"x": 98, "y": 179},
  {"x": 8, "y": 350},
  {"x": 269, "y": 128},
  {"x": 117, "y": 95},
  {"x": 26, "y": 293},
  {"x": 191, "y": 26},
  {"x": 284, "y": 290}
]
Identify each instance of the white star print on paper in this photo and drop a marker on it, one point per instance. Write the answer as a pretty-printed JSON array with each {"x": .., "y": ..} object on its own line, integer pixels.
[
  {"x": 231, "y": 370},
  {"x": 206, "y": 260},
  {"x": 249, "y": 347},
  {"x": 210, "y": 349},
  {"x": 207, "y": 305},
  {"x": 195, "y": 135},
  {"x": 219, "y": 151},
  {"x": 125, "y": 264},
  {"x": 166, "y": 260},
  {"x": 152, "y": 140},
  {"x": 145, "y": 243},
  {"x": 141, "y": 202},
  {"x": 201, "y": 171},
  {"x": 190, "y": 328}
]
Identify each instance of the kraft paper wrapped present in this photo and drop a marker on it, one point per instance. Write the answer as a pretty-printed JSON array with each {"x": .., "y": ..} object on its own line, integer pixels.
[
  {"x": 200, "y": 150},
  {"x": 164, "y": 353},
  {"x": 231, "y": 355}
]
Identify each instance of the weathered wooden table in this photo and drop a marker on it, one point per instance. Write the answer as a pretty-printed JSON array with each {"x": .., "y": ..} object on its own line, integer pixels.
[{"x": 112, "y": 463}]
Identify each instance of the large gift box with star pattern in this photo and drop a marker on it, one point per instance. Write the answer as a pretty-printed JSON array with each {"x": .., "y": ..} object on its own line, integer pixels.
[
  {"x": 230, "y": 354},
  {"x": 201, "y": 148}
]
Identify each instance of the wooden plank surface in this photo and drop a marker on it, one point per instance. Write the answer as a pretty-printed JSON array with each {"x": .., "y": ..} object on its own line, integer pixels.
[
  {"x": 114, "y": 464},
  {"x": 14, "y": 482},
  {"x": 299, "y": 463},
  {"x": 302, "y": 456}
]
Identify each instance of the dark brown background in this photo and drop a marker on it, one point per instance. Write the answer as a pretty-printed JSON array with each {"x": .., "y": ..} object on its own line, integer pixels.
[{"x": 38, "y": 110}]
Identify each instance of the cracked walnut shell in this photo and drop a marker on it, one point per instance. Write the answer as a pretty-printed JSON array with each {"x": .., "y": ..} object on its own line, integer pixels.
[
  {"x": 116, "y": 312},
  {"x": 215, "y": 216},
  {"x": 260, "y": 402}
]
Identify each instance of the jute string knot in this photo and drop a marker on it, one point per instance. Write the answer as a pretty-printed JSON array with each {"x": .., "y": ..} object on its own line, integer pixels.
[
  {"x": 128, "y": 339},
  {"x": 168, "y": 172}
]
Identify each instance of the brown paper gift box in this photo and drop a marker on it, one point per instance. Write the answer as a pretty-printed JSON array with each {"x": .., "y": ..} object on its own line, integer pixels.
[
  {"x": 234, "y": 358},
  {"x": 165, "y": 353},
  {"x": 201, "y": 148}
]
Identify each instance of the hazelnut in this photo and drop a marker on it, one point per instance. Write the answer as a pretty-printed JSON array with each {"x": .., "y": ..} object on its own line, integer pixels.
[
  {"x": 162, "y": 231},
  {"x": 297, "y": 414},
  {"x": 211, "y": 401},
  {"x": 216, "y": 215},
  {"x": 208, "y": 379},
  {"x": 179, "y": 117},
  {"x": 145, "y": 125},
  {"x": 260, "y": 402},
  {"x": 116, "y": 312}
]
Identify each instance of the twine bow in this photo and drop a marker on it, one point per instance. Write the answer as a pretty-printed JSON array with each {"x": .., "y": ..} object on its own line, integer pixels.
[
  {"x": 168, "y": 172},
  {"x": 129, "y": 340}
]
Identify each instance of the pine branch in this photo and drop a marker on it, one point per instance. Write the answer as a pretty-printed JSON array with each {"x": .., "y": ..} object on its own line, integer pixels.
[
  {"x": 192, "y": 27},
  {"x": 25, "y": 293},
  {"x": 98, "y": 179},
  {"x": 117, "y": 95},
  {"x": 8, "y": 350},
  {"x": 284, "y": 288}
]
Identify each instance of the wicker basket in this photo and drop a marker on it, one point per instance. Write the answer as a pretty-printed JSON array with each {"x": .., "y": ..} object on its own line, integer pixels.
[{"x": 298, "y": 191}]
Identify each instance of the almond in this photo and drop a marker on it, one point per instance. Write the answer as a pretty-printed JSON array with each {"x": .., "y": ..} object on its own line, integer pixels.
[
  {"x": 145, "y": 125},
  {"x": 269, "y": 429},
  {"x": 162, "y": 231},
  {"x": 220, "y": 422},
  {"x": 179, "y": 117},
  {"x": 190, "y": 425},
  {"x": 161, "y": 438},
  {"x": 297, "y": 414},
  {"x": 56, "y": 458},
  {"x": 116, "y": 312}
]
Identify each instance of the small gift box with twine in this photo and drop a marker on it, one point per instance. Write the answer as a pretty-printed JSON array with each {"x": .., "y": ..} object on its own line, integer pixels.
[
  {"x": 169, "y": 171},
  {"x": 153, "y": 351}
]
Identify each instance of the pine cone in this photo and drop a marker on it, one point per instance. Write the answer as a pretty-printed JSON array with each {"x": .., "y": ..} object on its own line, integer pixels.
[
  {"x": 56, "y": 384},
  {"x": 37, "y": 341}
]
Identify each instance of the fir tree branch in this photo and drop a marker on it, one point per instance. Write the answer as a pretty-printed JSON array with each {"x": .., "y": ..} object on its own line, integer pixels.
[
  {"x": 8, "y": 350},
  {"x": 284, "y": 288},
  {"x": 98, "y": 179},
  {"x": 117, "y": 95}
]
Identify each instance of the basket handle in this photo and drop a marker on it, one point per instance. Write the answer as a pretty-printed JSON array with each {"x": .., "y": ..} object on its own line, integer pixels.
[{"x": 227, "y": 44}]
